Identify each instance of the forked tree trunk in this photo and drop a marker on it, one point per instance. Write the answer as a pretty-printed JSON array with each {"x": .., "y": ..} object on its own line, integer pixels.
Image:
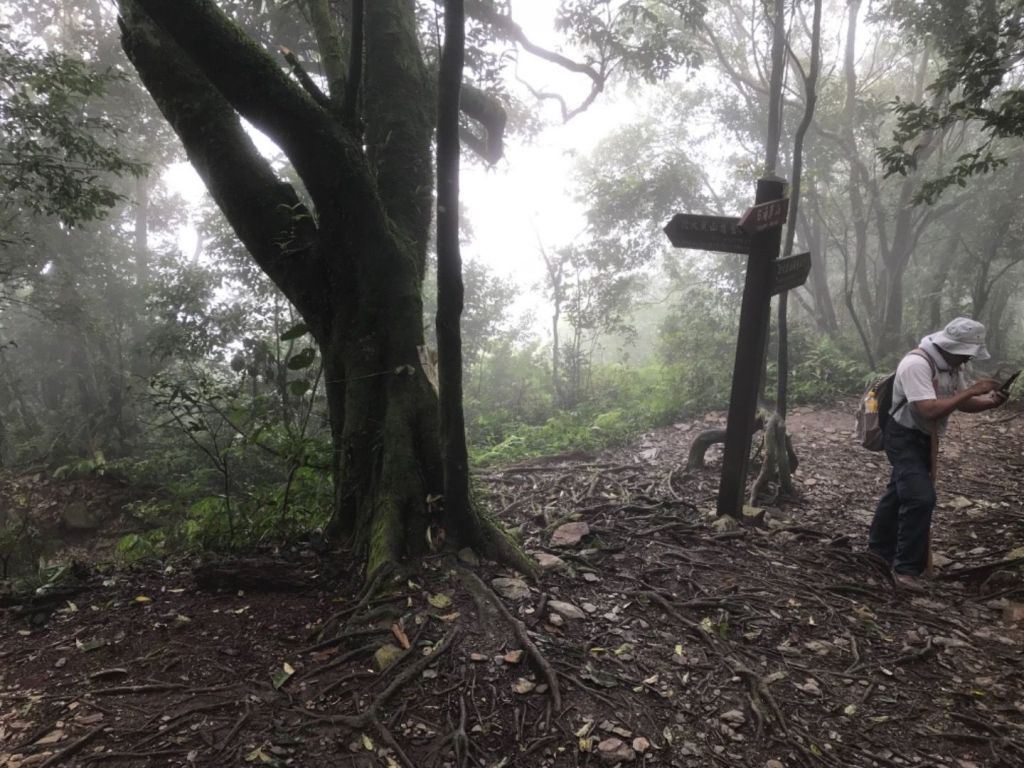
[{"x": 352, "y": 264}]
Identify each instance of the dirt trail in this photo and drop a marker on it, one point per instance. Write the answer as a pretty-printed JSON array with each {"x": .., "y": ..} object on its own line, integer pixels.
[{"x": 669, "y": 642}]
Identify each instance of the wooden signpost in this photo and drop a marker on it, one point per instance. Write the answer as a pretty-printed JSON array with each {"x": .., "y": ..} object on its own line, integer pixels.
[
  {"x": 758, "y": 233},
  {"x": 791, "y": 272},
  {"x": 707, "y": 233}
]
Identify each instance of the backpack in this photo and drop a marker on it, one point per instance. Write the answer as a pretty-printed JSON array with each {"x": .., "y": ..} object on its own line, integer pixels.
[{"x": 875, "y": 408}]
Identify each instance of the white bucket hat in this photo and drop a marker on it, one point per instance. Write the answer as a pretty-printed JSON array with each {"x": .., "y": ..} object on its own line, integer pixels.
[{"x": 962, "y": 336}]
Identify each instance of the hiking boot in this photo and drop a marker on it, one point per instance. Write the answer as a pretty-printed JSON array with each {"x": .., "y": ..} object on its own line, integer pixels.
[{"x": 909, "y": 582}]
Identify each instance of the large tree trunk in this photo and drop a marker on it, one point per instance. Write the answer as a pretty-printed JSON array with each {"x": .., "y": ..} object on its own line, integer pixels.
[{"x": 352, "y": 264}]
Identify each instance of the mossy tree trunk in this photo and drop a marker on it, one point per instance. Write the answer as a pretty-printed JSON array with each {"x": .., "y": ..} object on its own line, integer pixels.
[{"x": 350, "y": 253}]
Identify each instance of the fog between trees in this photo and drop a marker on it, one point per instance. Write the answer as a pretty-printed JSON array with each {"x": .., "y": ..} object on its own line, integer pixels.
[{"x": 248, "y": 380}]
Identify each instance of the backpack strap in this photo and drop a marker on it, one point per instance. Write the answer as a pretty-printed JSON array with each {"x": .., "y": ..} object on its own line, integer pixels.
[{"x": 931, "y": 364}]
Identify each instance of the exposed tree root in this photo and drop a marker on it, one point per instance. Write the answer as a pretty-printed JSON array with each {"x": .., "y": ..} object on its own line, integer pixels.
[
  {"x": 760, "y": 698},
  {"x": 778, "y": 459},
  {"x": 498, "y": 545},
  {"x": 482, "y": 592},
  {"x": 709, "y": 437},
  {"x": 72, "y": 749},
  {"x": 370, "y": 717}
]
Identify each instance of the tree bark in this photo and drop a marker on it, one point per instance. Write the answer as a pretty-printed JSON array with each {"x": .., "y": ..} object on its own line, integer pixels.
[
  {"x": 810, "y": 100},
  {"x": 351, "y": 262},
  {"x": 450, "y": 288}
]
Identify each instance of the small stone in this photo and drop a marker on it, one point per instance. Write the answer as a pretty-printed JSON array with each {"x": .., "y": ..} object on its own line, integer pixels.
[
  {"x": 774, "y": 764},
  {"x": 511, "y": 589},
  {"x": 386, "y": 655},
  {"x": 640, "y": 744},
  {"x": 77, "y": 516},
  {"x": 523, "y": 685},
  {"x": 939, "y": 560},
  {"x": 609, "y": 727},
  {"x": 468, "y": 557},
  {"x": 477, "y": 657},
  {"x": 589, "y": 607},
  {"x": 1013, "y": 612},
  {"x": 725, "y": 523},
  {"x": 613, "y": 751},
  {"x": 753, "y": 515},
  {"x": 61, "y": 662},
  {"x": 549, "y": 562},
  {"x": 555, "y": 620},
  {"x": 569, "y": 535},
  {"x": 566, "y": 610},
  {"x": 733, "y": 716},
  {"x": 591, "y": 577}
]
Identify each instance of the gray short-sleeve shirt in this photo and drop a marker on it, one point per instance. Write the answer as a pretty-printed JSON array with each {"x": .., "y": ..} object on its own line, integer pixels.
[{"x": 915, "y": 382}]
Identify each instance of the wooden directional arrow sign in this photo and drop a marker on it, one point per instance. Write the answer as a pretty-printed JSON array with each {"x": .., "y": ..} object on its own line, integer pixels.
[
  {"x": 790, "y": 272},
  {"x": 707, "y": 233},
  {"x": 765, "y": 216}
]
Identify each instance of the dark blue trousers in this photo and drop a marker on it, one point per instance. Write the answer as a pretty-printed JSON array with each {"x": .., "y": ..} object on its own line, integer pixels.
[{"x": 899, "y": 531}]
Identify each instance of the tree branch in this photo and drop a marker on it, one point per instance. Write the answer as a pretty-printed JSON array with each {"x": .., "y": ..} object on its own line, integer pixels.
[
  {"x": 304, "y": 79},
  {"x": 255, "y": 86},
  {"x": 488, "y": 112},
  {"x": 399, "y": 108},
  {"x": 328, "y": 39},
  {"x": 355, "y": 65},
  {"x": 265, "y": 212},
  {"x": 507, "y": 29}
]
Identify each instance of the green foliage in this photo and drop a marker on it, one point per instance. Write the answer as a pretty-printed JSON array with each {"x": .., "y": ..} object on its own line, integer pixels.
[
  {"x": 821, "y": 370},
  {"x": 562, "y": 433},
  {"x": 54, "y": 153},
  {"x": 648, "y": 40},
  {"x": 140, "y": 546},
  {"x": 82, "y": 468},
  {"x": 980, "y": 43}
]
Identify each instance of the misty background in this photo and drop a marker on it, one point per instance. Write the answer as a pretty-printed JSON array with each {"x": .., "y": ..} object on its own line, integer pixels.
[{"x": 138, "y": 338}]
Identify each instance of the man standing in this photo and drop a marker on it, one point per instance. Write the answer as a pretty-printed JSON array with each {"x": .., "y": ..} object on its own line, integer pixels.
[{"x": 929, "y": 385}]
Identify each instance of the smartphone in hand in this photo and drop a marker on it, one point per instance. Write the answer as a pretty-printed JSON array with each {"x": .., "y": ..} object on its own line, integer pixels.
[{"x": 1009, "y": 382}]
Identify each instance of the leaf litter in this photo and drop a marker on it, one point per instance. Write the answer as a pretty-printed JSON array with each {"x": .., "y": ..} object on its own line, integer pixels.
[{"x": 777, "y": 644}]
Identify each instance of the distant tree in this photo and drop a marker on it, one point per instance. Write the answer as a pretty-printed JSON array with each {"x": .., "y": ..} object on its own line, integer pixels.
[
  {"x": 979, "y": 44},
  {"x": 56, "y": 159}
]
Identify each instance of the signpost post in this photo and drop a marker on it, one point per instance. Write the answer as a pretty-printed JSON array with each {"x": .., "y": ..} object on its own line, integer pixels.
[
  {"x": 755, "y": 311},
  {"x": 758, "y": 233}
]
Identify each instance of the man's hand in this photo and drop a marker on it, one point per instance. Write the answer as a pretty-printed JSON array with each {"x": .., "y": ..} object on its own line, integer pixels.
[
  {"x": 985, "y": 395},
  {"x": 998, "y": 397},
  {"x": 983, "y": 387}
]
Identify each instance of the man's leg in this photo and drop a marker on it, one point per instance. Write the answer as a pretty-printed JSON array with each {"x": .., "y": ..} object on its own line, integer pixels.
[
  {"x": 917, "y": 501},
  {"x": 885, "y": 525}
]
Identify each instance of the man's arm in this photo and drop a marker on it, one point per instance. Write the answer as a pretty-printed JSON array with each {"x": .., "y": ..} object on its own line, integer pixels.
[
  {"x": 971, "y": 400},
  {"x": 980, "y": 403}
]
